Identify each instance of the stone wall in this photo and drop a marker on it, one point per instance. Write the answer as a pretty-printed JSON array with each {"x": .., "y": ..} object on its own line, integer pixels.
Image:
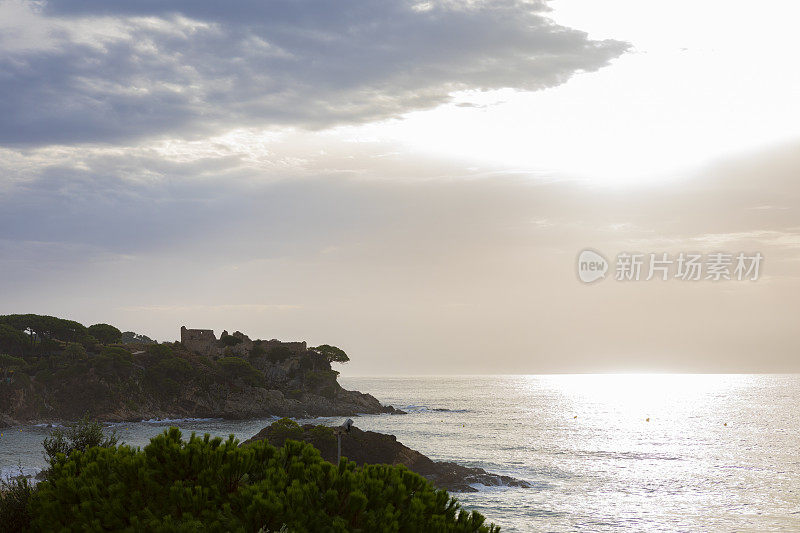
[
  {"x": 201, "y": 341},
  {"x": 204, "y": 342}
]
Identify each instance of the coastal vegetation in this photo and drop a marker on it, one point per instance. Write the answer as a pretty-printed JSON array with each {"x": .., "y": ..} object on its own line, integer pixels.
[
  {"x": 211, "y": 484},
  {"x": 370, "y": 447},
  {"x": 53, "y": 370},
  {"x": 15, "y": 497},
  {"x": 80, "y": 436},
  {"x": 331, "y": 353}
]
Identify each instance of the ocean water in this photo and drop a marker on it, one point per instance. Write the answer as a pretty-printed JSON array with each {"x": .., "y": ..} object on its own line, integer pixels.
[{"x": 669, "y": 452}]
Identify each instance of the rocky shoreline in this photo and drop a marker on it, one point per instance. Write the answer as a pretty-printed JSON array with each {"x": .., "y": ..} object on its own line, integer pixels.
[
  {"x": 369, "y": 447},
  {"x": 246, "y": 403}
]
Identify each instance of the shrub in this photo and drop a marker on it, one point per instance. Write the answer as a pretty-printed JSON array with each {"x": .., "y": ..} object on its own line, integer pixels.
[
  {"x": 229, "y": 340},
  {"x": 67, "y": 371},
  {"x": 113, "y": 362},
  {"x": 15, "y": 494},
  {"x": 130, "y": 337},
  {"x": 8, "y": 363},
  {"x": 286, "y": 428},
  {"x": 174, "y": 368},
  {"x": 12, "y": 341},
  {"x": 277, "y": 354},
  {"x": 167, "y": 376},
  {"x": 160, "y": 351},
  {"x": 80, "y": 436},
  {"x": 322, "y": 435},
  {"x": 233, "y": 368},
  {"x": 75, "y": 351},
  {"x": 321, "y": 378},
  {"x": 328, "y": 391},
  {"x": 117, "y": 353},
  {"x": 210, "y": 485},
  {"x": 296, "y": 394},
  {"x": 258, "y": 350},
  {"x": 48, "y": 346},
  {"x": 90, "y": 344}
]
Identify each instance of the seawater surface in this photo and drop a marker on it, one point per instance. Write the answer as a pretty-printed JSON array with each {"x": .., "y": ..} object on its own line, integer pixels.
[{"x": 671, "y": 452}]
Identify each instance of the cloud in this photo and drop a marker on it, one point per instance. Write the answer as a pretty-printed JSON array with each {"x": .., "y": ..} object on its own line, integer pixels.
[
  {"x": 111, "y": 71},
  {"x": 248, "y": 198},
  {"x": 255, "y": 308},
  {"x": 432, "y": 271}
]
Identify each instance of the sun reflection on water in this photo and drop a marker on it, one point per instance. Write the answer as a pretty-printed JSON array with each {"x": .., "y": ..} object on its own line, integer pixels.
[{"x": 636, "y": 394}]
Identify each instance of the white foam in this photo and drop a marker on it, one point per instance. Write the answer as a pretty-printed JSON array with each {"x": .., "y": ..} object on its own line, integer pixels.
[{"x": 177, "y": 420}]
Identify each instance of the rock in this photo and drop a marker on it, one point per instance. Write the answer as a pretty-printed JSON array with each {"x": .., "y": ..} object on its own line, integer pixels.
[
  {"x": 369, "y": 447},
  {"x": 285, "y": 388},
  {"x": 72, "y": 400}
]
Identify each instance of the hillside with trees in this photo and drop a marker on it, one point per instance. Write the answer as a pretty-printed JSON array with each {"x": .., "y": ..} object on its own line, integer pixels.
[{"x": 53, "y": 369}]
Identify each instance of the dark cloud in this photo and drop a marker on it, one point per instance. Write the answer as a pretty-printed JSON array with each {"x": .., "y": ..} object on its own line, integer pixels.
[{"x": 195, "y": 67}]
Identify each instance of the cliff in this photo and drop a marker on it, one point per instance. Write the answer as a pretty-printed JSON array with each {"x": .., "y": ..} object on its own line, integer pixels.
[
  {"x": 369, "y": 447},
  {"x": 132, "y": 400}
]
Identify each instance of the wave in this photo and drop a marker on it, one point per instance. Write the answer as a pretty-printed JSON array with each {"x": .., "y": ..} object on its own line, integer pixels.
[
  {"x": 636, "y": 456},
  {"x": 178, "y": 420},
  {"x": 7, "y": 472},
  {"x": 425, "y": 409}
]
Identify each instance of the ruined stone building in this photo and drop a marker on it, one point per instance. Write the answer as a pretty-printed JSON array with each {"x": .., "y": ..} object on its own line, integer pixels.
[
  {"x": 201, "y": 341},
  {"x": 204, "y": 342}
]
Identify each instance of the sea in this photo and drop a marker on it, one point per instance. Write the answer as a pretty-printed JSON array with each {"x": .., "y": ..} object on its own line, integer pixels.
[{"x": 622, "y": 452}]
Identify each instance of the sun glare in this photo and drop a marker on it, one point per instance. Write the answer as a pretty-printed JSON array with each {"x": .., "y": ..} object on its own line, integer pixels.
[
  {"x": 639, "y": 120},
  {"x": 642, "y": 396}
]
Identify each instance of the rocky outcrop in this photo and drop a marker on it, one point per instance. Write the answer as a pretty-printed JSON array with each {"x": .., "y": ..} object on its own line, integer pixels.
[
  {"x": 65, "y": 373},
  {"x": 90, "y": 395},
  {"x": 369, "y": 447},
  {"x": 147, "y": 384}
]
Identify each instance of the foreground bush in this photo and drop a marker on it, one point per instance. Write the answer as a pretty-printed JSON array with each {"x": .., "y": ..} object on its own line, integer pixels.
[
  {"x": 210, "y": 485},
  {"x": 82, "y": 435},
  {"x": 15, "y": 494}
]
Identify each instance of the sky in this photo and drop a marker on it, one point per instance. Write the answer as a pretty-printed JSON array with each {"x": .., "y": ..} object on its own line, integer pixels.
[{"x": 410, "y": 181}]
